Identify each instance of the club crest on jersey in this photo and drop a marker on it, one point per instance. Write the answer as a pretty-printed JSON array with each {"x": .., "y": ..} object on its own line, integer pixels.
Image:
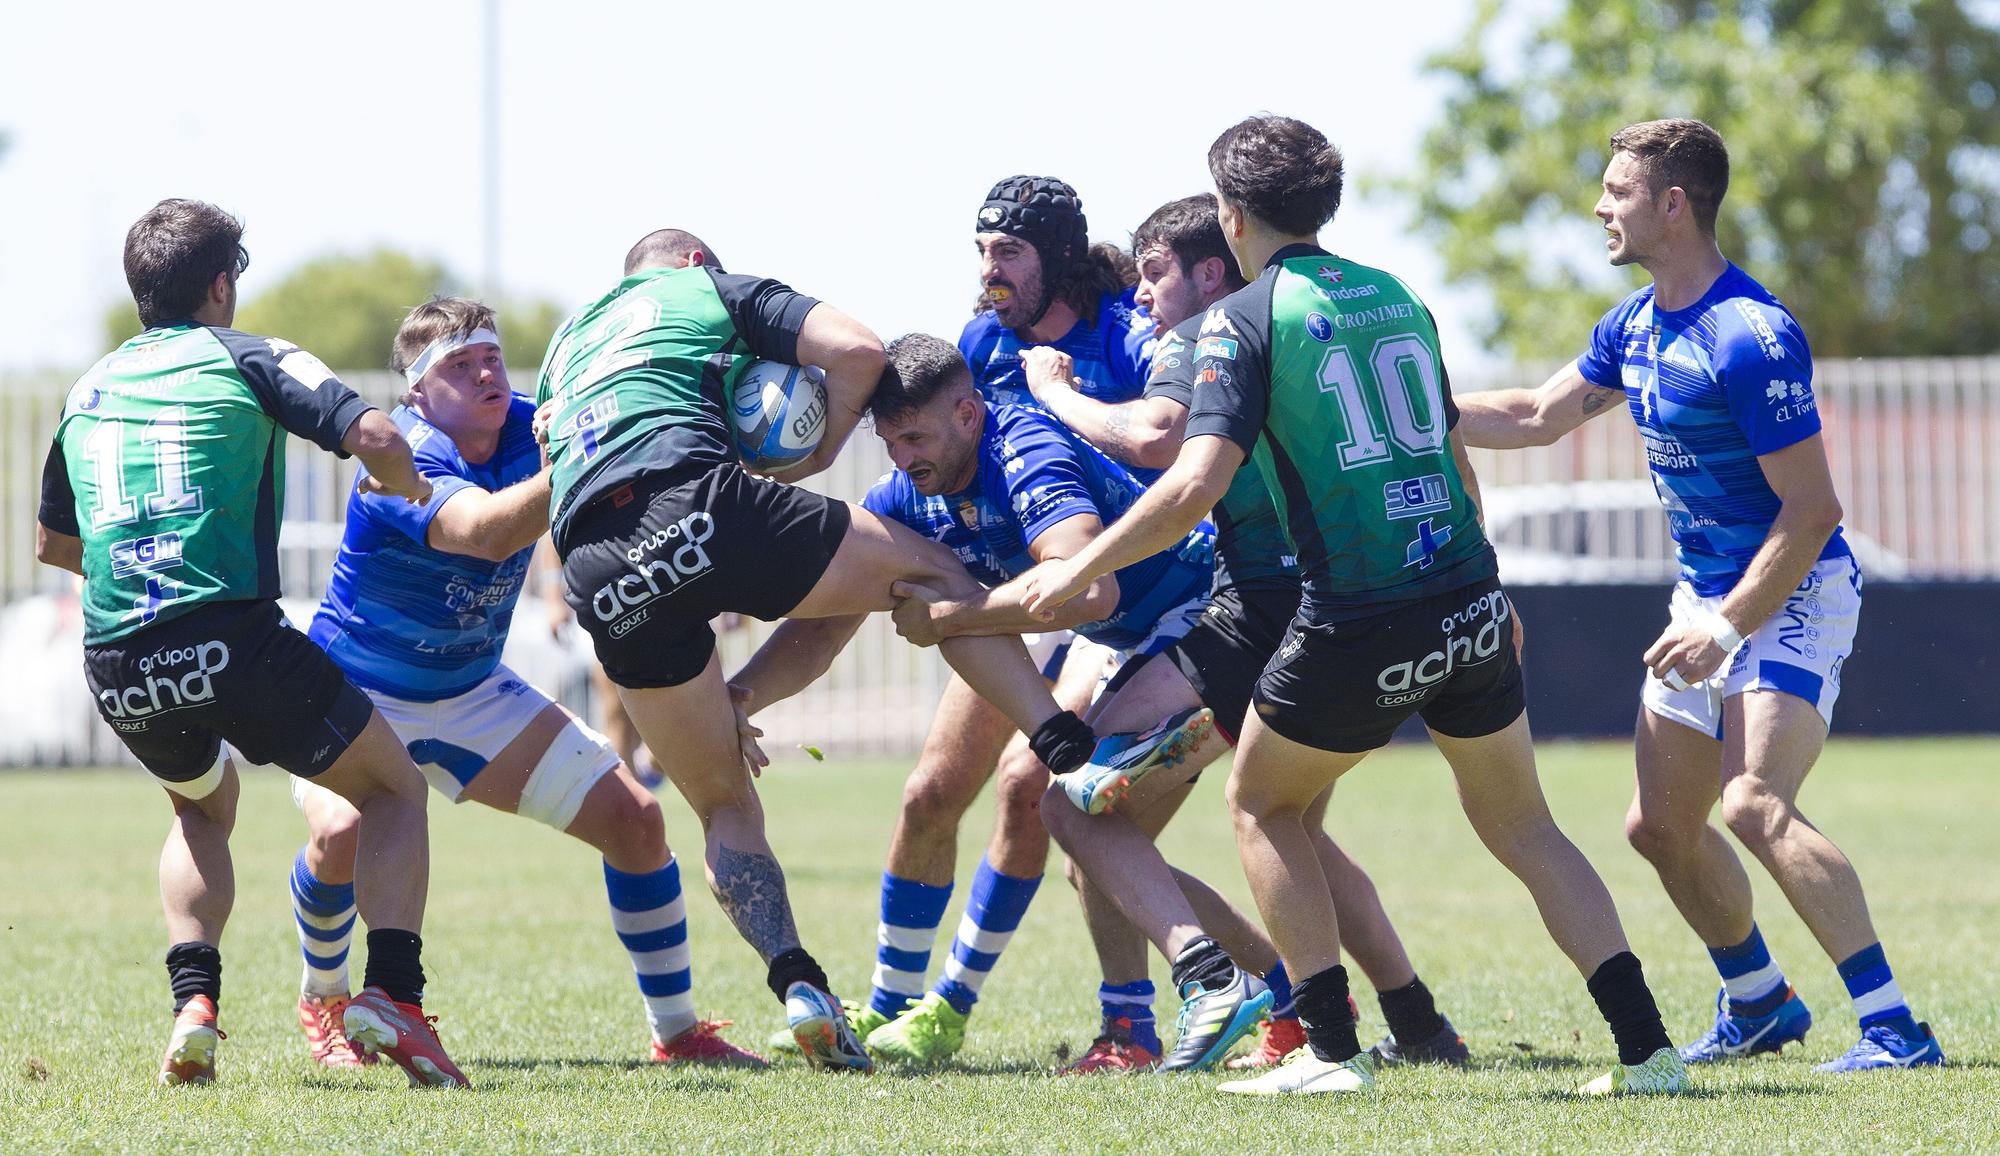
[
  {"x": 1320, "y": 328},
  {"x": 1332, "y": 274}
]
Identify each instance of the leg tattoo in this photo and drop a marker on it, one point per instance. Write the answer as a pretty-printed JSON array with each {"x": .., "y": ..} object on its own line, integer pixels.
[{"x": 751, "y": 890}]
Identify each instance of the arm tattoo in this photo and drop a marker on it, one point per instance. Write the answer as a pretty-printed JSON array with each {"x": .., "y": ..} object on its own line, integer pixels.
[
  {"x": 1117, "y": 424},
  {"x": 751, "y": 891},
  {"x": 1597, "y": 399}
]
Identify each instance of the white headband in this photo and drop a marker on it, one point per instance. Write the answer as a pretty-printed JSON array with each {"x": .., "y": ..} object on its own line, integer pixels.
[{"x": 444, "y": 347}]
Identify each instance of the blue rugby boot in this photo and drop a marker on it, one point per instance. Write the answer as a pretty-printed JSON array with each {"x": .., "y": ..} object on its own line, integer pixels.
[
  {"x": 1120, "y": 761},
  {"x": 1882, "y": 1046},
  {"x": 1740, "y": 1037}
]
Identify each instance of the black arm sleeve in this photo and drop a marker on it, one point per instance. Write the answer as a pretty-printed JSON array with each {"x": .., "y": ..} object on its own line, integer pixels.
[
  {"x": 768, "y": 314},
  {"x": 58, "y": 509},
  {"x": 1232, "y": 366},
  {"x": 295, "y": 388}
]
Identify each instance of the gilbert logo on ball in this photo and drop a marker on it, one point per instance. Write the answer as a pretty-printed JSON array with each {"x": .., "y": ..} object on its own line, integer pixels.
[{"x": 779, "y": 413}]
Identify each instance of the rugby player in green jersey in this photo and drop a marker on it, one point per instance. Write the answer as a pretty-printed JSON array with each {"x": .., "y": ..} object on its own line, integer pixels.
[
  {"x": 1326, "y": 373},
  {"x": 660, "y": 529},
  {"x": 1184, "y": 268},
  {"x": 164, "y": 489}
]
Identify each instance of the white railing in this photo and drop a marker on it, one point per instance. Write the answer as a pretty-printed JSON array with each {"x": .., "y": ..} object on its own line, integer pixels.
[{"x": 1911, "y": 443}]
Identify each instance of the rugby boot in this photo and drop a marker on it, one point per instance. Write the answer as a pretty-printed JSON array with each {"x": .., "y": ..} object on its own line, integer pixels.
[
  {"x": 1446, "y": 1047},
  {"x": 401, "y": 1031},
  {"x": 703, "y": 1045},
  {"x": 820, "y": 1027},
  {"x": 862, "y": 1018},
  {"x": 190, "y": 1057},
  {"x": 1119, "y": 762},
  {"x": 1280, "y": 1038},
  {"x": 1734, "y": 1037},
  {"x": 930, "y": 1032},
  {"x": 1212, "y": 1020},
  {"x": 1305, "y": 1074},
  {"x": 326, "y": 1035},
  {"x": 1114, "y": 1050},
  {"x": 1662, "y": 1074},
  {"x": 1883, "y": 1047}
]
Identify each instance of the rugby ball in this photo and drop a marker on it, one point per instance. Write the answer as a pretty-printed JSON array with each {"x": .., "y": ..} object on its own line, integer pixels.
[{"x": 779, "y": 413}]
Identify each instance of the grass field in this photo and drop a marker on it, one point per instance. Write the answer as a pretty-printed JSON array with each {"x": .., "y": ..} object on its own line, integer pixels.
[{"x": 537, "y": 1000}]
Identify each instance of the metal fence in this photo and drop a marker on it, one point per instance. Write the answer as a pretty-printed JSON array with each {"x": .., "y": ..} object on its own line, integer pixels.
[{"x": 1910, "y": 441}]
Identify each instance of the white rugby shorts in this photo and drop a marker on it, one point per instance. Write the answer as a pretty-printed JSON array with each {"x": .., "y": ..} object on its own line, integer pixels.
[{"x": 1799, "y": 651}]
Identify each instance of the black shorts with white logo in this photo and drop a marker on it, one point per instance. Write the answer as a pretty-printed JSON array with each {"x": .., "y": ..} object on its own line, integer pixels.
[
  {"x": 650, "y": 563},
  {"x": 1226, "y": 650},
  {"x": 228, "y": 671},
  {"x": 1347, "y": 685}
]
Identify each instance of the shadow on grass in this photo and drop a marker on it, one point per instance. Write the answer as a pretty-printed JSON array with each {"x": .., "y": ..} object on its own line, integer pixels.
[{"x": 1736, "y": 1091}]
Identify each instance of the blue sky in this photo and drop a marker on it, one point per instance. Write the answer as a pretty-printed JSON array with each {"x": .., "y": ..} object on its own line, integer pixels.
[{"x": 841, "y": 148}]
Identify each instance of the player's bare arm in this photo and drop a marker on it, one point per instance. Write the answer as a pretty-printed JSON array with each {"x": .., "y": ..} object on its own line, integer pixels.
[
  {"x": 926, "y": 617},
  {"x": 1507, "y": 419},
  {"x": 1809, "y": 515},
  {"x": 379, "y": 444},
  {"x": 1163, "y": 516},
  {"x": 55, "y": 548},
  {"x": 798, "y": 652},
  {"x": 851, "y": 356},
  {"x": 1143, "y": 432},
  {"x": 492, "y": 524}
]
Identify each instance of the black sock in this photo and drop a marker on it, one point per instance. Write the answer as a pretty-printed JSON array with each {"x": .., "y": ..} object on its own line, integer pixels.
[
  {"x": 1204, "y": 962},
  {"x": 194, "y": 968},
  {"x": 1412, "y": 1014},
  {"x": 1619, "y": 987},
  {"x": 1329, "y": 1022},
  {"x": 789, "y": 967},
  {"x": 396, "y": 964},
  {"x": 1063, "y": 743}
]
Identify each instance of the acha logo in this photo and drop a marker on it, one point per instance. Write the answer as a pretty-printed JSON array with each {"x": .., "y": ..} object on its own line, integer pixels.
[
  {"x": 169, "y": 689},
  {"x": 615, "y": 601}
]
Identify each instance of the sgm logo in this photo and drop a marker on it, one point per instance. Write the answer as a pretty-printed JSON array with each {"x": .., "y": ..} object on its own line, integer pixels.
[
  {"x": 171, "y": 688},
  {"x": 1472, "y": 636},
  {"x": 652, "y": 564},
  {"x": 145, "y": 555}
]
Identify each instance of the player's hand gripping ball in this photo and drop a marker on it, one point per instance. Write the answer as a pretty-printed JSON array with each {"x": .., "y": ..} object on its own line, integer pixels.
[{"x": 779, "y": 414}]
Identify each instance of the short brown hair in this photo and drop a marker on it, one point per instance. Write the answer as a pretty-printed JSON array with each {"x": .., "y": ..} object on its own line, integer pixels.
[
  {"x": 439, "y": 317},
  {"x": 175, "y": 252},
  {"x": 1681, "y": 153},
  {"x": 1282, "y": 171},
  {"x": 1191, "y": 232}
]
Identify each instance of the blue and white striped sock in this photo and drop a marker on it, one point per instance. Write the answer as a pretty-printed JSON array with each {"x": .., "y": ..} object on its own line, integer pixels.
[
  {"x": 911, "y": 913},
  {"x": 998, "y": 902},
  {"x": 651, "y": 920},
  {"x": 1280, "y": 983},
  {"x": 1877, "y": 998},
  {"x": 325, "y": 915},
  {"x": 1755, "y": 985},
  {"x": 1133, "y": 1002}
]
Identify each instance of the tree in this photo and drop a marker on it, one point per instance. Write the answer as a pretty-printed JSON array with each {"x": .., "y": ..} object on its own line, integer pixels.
[
  {"x": 1865, "y": 148},
  {"x": 346, "y": 309}
]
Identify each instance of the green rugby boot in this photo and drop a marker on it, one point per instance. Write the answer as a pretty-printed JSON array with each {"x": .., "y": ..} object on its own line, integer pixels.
[{"x": 930, "y": 1032}]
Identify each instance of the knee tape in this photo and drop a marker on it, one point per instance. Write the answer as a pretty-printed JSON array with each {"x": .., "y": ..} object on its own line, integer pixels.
[
  {"x": 203, "y": 787},
  {"x": 577, "y": 757}
]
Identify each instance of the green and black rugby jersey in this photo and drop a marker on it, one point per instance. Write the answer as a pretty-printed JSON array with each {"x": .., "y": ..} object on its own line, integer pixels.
[
  {"x": 1327, "y": 373},
  {"x": 642, "y": 377},
  {"x": 1251, "y": 549},
  {"x": 169, "y": 463}
]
